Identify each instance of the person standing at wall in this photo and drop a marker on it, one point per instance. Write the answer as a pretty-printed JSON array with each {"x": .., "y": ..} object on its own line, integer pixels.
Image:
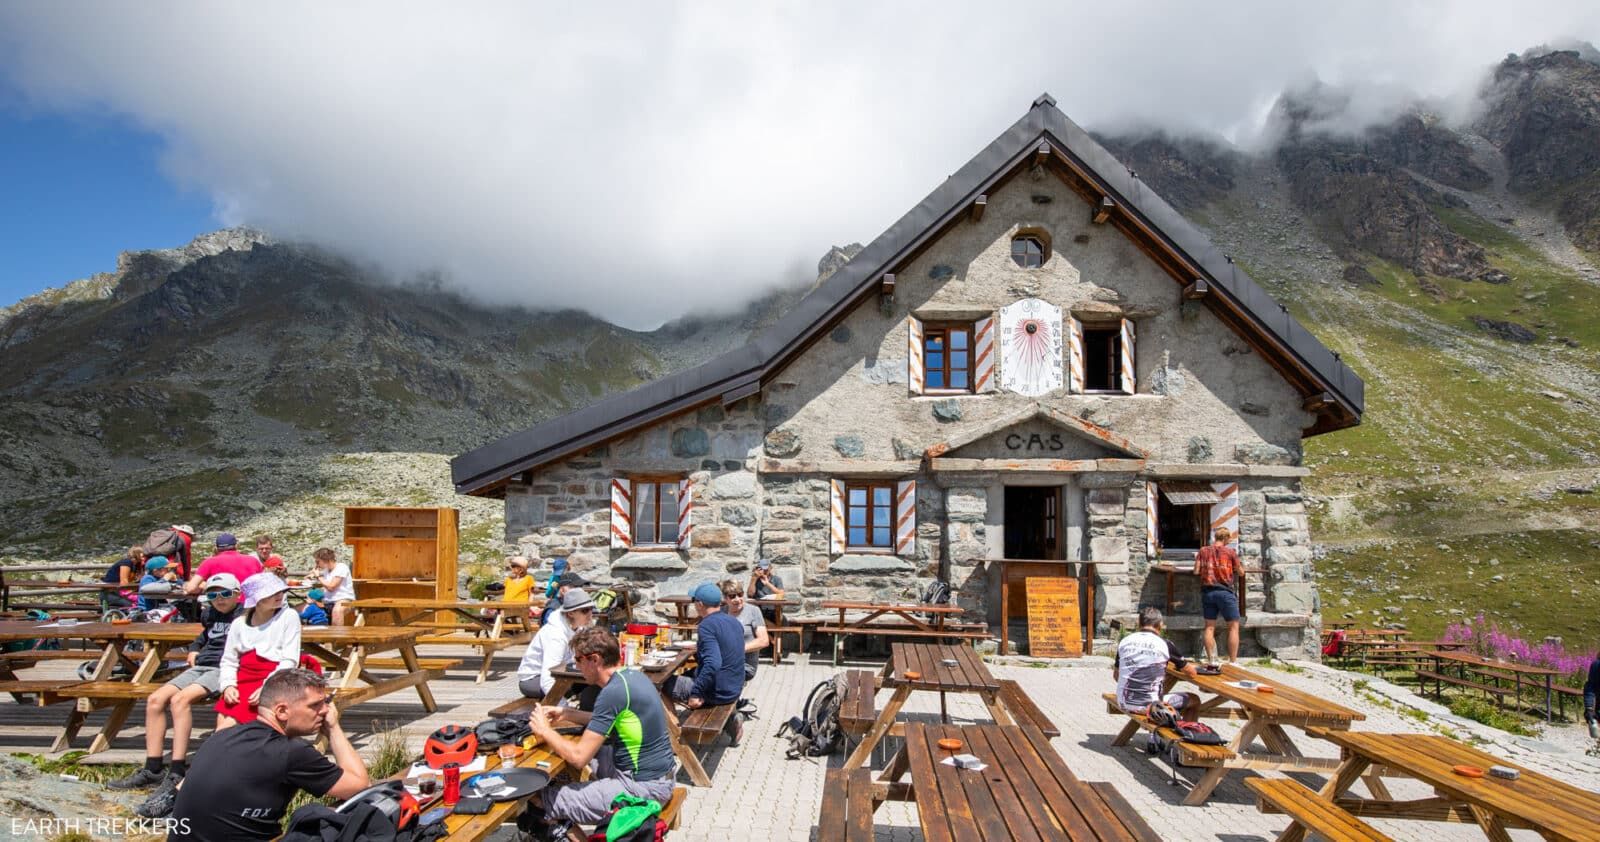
[{"x": 1218, "y": 567}]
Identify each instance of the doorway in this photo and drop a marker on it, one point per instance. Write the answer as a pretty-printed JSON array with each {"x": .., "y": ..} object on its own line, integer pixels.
[{"x": 1033, "y": 521}]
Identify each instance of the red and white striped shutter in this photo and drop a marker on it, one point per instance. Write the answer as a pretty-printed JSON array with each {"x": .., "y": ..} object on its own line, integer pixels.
[
  {"x": 685, "y": 508},
  {"x": 621, "y": 513},
  {"x": 1152, "y": 535},
  {"x": 1225, "y": 513},
  {"x": 1128, "y": 382},
  {"x": 914, "y": 355},
  {"x": 836, "y": 537},
  {"x": 905, "y": 513},
  {"x": 983, "y": 379},
  {"x": 1075, "y": 357}
]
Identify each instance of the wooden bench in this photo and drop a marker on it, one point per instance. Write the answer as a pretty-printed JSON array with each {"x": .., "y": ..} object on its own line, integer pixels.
[
  {"x": 1500, "y": 693},
  {"x": 847, "y": 806},
  {"x": 1310, "y": 812},
  {"x": 30, "y": 657},
  {"x": 674, "y": 806},
  {"x": 513, "y": 708},
  {"x": 111, "y": 691},
  {"x": 1024, "y": 710},
  {"x": 858, "y": 708},
  {"x": 702, "y": 725},
  {"x": 39, "y": 689},
  {"x": 440, "y": 664},
  {"x": 1189, "y": 754}
]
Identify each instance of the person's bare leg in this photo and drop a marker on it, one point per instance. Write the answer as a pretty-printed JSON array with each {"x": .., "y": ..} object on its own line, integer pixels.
[
  {"x": 1211, "y": 641},
  {"x": 225, "y": 721},
  {"x": 183, "y": 719},
  {"x": 1233, "y": 642},
  {"x": 155, "y": 721}
]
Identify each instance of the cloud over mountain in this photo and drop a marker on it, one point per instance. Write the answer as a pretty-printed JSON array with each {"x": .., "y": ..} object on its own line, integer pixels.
[{"x": 642, "y": 161}]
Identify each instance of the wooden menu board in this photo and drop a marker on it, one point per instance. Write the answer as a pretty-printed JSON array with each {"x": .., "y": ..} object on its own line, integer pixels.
[{"x": 1053, "y": 619}]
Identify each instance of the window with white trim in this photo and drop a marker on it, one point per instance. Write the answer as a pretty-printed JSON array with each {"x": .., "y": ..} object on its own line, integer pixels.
[
  {"x": 1102, "y": 358},
  {"x": 655, "y": 511},
  {"x": 869, "y": 514}
]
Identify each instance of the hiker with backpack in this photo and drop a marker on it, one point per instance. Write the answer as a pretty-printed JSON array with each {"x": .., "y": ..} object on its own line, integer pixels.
[
  {"x": 174, "y": 542},
  {"x": 1140, "y": 668},
  {"x": 625, "y": 736},
  {"x": 244, "y": 778}
]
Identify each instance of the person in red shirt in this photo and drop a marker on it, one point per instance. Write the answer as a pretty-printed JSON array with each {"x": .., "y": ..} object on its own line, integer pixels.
[
  {"x": 227, "y": 560},
  {"x": 1218, "y": 568}
]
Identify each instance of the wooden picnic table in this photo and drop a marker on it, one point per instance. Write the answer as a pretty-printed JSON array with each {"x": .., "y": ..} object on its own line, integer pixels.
[
  {"x": 1486, "y": 668},
  {"x": 1265, "y": 715},
  {"x": 776, "y": 629},
  {"x": 1026, "y": 791},
  {"x": 939, "y": 668},
  {"x": 487, "y": 634},
  {"x": 1556, "y": 810},
  {"x": 461, "y": 827},
  {"x": 912, "y": 620}
]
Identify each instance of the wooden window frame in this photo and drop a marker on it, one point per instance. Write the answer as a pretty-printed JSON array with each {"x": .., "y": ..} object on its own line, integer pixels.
[
  {"x": 1114, "y": 364},
  {"x": 894, "y": 515},
  {"x": 1036, "y": 239},
  {"x": 932, "y": 329},
  {"x": 1203, "y": 519},
  {"x": 639, "y": 480}
]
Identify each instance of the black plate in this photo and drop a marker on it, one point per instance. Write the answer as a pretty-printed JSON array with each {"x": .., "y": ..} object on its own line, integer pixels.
[{"x": 523, "y": 783}]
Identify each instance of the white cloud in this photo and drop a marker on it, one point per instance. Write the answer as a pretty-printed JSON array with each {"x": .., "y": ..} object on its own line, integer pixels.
[{"x": 644, "y": 160}]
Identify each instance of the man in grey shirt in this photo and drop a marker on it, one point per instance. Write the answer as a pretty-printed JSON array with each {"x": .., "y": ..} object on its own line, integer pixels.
[{"x": 755, "y": 625}]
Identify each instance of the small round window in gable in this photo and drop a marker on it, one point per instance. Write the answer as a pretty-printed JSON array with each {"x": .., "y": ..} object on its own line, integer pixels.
[{"x": 1029, "y": 251}]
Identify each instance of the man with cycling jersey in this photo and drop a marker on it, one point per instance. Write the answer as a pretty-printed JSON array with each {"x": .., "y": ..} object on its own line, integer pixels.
[{"x": 1140, "y": 668}]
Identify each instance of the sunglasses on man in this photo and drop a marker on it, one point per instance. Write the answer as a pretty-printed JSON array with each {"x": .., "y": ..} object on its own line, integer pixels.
[{"x": 221, "y": 594}]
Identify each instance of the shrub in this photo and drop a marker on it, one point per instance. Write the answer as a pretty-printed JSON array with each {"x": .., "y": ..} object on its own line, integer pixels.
[
  {"x": 1485, "y": 638},
  {"x": 1479, "y": 710}
]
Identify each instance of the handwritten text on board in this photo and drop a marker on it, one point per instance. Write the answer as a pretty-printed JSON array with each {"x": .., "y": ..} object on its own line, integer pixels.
[{"x": 1053, "y": 619}]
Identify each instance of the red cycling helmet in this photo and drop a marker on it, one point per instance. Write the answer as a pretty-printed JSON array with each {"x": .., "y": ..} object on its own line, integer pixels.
[
  {"x": 391, "y": 799},
  {"x": 450, "y": 744}
]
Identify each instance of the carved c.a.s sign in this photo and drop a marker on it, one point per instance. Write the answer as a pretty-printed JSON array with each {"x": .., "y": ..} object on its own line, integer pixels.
[{"x": 1035, "y": 442}]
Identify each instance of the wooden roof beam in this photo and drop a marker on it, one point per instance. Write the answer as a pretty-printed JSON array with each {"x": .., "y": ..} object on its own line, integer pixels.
[
  {"x": 975, "y": 213},
  {"x": 1041, "y": 155},
  {"x": 1102, "y": 211},
  {"x": 1197, "y": 290},
  {"x": 1319, "y": 402}
]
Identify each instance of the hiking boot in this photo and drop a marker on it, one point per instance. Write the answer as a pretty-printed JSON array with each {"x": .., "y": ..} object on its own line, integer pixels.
[
  {"x": 141, "y": 779},
  {"x": 160, "y": 802}
]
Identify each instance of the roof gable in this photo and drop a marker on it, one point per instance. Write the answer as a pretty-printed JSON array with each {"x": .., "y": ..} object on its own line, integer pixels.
[{"x": 1044, "y": 137}]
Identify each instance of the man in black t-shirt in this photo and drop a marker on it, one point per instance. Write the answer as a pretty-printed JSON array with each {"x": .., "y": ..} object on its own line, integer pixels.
[{"x": 244, "y": 777}]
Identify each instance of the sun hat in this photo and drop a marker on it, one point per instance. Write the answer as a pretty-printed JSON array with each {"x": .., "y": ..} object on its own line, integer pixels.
[
  {"x": 226, "y": 539},
  {"x": 224, "y": 581},
  {"x": 261, "y": 586},
  {"x": 156, "y": 562},
  {"x": 518, "y": 561},
  {"x": 707, "y": 594},
  {"x": 184, "y": 528},
  {"x": 575, "y": 600}
]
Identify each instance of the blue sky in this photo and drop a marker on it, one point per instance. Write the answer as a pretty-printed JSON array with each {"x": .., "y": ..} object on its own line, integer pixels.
[{"x": 75, "y": 191}]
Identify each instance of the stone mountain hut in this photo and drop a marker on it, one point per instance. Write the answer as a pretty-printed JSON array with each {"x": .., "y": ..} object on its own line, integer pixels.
[{"x": 1042, "y": 360}]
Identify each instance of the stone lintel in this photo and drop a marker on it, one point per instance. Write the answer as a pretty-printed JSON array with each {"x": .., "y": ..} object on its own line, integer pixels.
[
  {"x": 870, "y": 564},
  {"x": 660, "y": 561},
  {"x": 1219, "y": 470},
  {"x": 1012, "y": 466},
  {"x": 852, "y": 467}
]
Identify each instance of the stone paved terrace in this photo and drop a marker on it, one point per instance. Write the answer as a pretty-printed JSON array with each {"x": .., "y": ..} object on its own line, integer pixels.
[{"x": 758, "y": 794}]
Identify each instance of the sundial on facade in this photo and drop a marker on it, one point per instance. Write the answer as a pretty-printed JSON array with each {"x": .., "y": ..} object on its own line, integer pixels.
[{"x": 1030, "y": 347}]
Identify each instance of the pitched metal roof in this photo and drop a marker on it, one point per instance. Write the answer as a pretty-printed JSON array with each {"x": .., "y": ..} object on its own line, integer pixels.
[{"x": 1044, "y": 136}]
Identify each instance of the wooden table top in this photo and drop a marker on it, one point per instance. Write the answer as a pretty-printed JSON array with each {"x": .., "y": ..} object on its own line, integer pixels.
[
  {"x": 955, "y": 669},
  {"x": 1283, "y": 703},
  {"x": 1478, "y": 661},
  {"x": 32, "y": 630},
  {"x": 656, "y": 673},
  {"x": 466, "y": 828},
  {"x": 947, "y": 608},
  {"x": 685, "y": 599},
  {"x": 1026, "y": 791},
  {"x": 185, "y": 632},
  {"x": 1558, "y": 809},
  {"x": 63, "y": 583}
]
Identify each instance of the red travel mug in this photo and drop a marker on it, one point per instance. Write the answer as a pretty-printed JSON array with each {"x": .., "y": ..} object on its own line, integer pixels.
[{"x": 452, "y": 783}]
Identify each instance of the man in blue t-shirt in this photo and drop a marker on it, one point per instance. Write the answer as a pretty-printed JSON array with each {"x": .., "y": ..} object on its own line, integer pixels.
[
  {"x": 626, "y": 736},
  {"x": 719, "y": 649}
]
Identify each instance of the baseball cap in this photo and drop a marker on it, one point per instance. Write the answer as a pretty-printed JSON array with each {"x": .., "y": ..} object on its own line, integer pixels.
[
  {"x": 226, "y": 539},
  {"x": 764, "y": 564},
  {"x": 707, "y": 594},
  {"x": 155, "y": 562},
  {"x": 576, "y": 600},
  {"x": 222, "y": 581},
  {"x": 273, "y": 561},
  {"x": 316, "y": 594}
]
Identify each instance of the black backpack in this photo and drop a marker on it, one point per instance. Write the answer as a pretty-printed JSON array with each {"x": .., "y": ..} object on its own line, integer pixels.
[
  {"x": 363, "y": 823},
  {"x": 936, "y": 593},
  {"x": 815, "y": 731}
]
